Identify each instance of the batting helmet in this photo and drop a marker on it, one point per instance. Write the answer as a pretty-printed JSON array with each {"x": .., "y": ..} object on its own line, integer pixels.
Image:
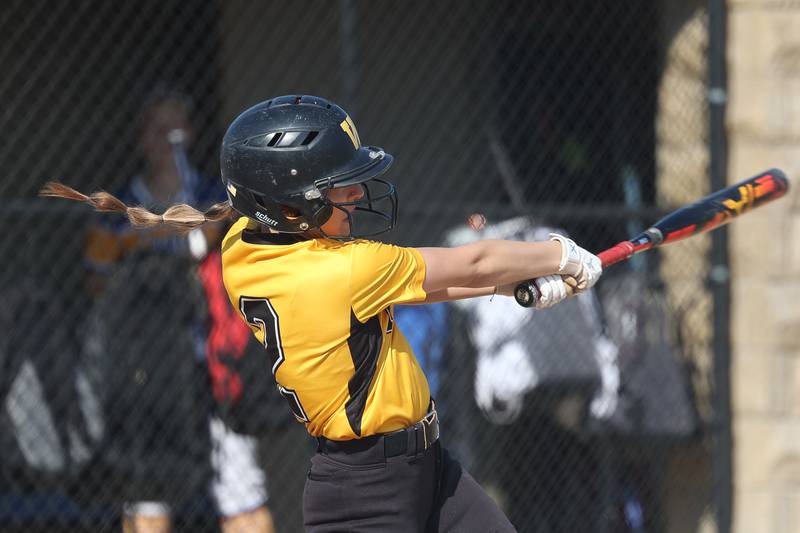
[{"x": 280, "y": 157}]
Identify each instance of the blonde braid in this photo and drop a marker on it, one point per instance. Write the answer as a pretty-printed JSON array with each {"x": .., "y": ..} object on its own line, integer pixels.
[{"x": 182, "y": 217}]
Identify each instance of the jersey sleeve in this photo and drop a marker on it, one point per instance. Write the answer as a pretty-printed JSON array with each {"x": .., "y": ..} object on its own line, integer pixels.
[{"x": 382, "y": 275}]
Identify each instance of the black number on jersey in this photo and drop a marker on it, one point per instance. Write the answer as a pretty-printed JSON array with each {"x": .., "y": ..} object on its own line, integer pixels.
[{"x": 259, "y": 312}]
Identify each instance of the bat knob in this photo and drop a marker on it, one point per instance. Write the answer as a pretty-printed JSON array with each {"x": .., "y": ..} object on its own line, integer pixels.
[{"x": 526, "y": 294}]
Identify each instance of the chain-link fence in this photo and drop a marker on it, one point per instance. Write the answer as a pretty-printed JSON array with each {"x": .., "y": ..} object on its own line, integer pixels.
[{"x": 117, "y": 358}]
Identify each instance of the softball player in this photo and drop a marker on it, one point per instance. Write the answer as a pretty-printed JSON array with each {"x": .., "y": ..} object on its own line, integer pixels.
[{"x": 319, "y": 298}]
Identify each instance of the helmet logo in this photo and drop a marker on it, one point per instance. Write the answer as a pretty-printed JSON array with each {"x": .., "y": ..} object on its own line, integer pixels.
[
  {"x": 265, "y": 219},
  {"x": 350, "y": 129}
]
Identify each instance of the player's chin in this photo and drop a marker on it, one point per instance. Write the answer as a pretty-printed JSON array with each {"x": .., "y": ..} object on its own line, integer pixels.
[{"x": 337, "y": 230}]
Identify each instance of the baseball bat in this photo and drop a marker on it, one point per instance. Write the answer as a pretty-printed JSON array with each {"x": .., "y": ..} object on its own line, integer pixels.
[{"x": 706, "y": 214}]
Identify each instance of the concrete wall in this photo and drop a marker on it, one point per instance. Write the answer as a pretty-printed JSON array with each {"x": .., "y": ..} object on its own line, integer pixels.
[{"x": 764, "y": 131}]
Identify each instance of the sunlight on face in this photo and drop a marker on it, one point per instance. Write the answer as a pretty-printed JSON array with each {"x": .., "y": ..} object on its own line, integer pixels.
[{"x": 338, "y": 225}]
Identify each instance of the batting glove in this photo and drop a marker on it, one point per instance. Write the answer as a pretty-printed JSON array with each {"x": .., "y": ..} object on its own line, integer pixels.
[
  {"x": 552, "y": 290},
  {"x": 578, "y": 263}
]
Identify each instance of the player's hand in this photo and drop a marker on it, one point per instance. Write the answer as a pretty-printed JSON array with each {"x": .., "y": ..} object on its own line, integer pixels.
[
  {"x": 583, "y": 266},
  {"x": 552, "y": 290},
  {"x": 572, "y": 285},
  {"x": 547, "y": 283}
]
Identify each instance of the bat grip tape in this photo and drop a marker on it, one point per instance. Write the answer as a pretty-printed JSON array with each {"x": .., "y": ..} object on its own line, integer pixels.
[{"x": 615, "y": 254}]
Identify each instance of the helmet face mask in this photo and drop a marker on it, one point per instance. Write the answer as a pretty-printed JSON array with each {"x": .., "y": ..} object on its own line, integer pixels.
[
  {"x": 289, "y": 152},
  {"x": 372, "y": 214}
]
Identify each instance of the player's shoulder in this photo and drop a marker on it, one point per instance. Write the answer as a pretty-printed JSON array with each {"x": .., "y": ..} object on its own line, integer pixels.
[
  {"x": 368, "y": 255},
  {"x": 368, "y": 244},
  {"x": 239, "y": 225},
  {"x": 234, "y": 234},
  {"x": 361, "y": 248}
]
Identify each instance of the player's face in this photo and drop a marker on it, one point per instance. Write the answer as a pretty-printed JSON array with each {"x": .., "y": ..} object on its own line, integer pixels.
[{"x": 338, "y": 224}]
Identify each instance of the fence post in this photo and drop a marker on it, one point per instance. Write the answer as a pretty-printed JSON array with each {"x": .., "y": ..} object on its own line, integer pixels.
[{"x": 719, "y": 275}]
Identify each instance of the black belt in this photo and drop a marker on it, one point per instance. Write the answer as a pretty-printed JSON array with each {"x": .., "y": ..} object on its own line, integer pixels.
[{"x": 409, "y": 441}]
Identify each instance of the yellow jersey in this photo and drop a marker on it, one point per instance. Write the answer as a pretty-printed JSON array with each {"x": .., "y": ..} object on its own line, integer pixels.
[{"x": 322, "y": 309}]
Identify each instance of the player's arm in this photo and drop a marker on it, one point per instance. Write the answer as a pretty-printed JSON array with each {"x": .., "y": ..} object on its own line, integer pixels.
[
  {"x": 381, "y": 275},
  {"x": 485, "y": 267},
  {"x": 462, "y": 293},
  {"x": 488, "y": 264},
  {"x": 455, "y": 293}
]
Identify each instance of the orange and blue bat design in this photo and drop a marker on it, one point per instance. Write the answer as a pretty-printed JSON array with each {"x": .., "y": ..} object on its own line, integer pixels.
[{"x": 706, "y": 214}]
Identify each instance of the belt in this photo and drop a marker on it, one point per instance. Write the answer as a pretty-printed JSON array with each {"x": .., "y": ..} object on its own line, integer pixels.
[{"x": 409, "y": 441}]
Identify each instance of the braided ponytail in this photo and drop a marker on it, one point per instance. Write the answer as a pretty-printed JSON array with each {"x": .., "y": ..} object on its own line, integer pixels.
[{"x": 182, "y": 217}]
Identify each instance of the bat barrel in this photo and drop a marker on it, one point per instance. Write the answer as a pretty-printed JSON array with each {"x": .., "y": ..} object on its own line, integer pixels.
[
  {"x": 704, "y": 215},
  {"x": 723, "y": 206}
]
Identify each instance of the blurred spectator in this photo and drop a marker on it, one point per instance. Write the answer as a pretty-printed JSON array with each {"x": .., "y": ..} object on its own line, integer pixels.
[
  {"x": 158, "y": 318},
  {"x": 51, "y": 425},
  {"x": 535, "y": 389},
  {"x": 566, "y": 409},
  {"x": 251, "y": 428}
]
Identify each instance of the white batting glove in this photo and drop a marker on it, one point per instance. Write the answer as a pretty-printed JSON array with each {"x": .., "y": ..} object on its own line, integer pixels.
[
  {"x": 578, "y": 263},
  {"x": 552, "y": 290}
]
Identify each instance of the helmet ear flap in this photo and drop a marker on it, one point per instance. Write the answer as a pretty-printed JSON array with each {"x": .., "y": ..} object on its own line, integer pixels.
[
  {"x": 321, "y": 215},
  {"x": 291, "y": 216},
  {"x": 267, "y": 213}
]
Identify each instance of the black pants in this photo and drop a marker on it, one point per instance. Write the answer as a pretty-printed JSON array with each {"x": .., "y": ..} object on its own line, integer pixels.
[{"x": 364, "y": 491}]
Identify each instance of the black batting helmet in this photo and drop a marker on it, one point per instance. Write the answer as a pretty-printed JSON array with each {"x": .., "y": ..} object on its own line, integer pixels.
[{"x": 288, "y": 152}]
